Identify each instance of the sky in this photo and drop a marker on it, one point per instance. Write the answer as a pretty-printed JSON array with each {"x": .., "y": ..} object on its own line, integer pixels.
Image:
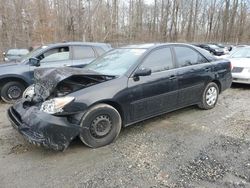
[{"x": 149, "y": 1}]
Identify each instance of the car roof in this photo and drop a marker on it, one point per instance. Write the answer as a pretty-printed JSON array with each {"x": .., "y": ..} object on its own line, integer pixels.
[
  {"x": 141, "y": 46},
  {"x": 153, "y": 45},
  {"x": 79, "y": 43}
]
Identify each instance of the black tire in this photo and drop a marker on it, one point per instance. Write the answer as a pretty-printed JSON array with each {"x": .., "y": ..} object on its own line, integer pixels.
[
  {"x": 101, "y": 125},
  {"x": 205, "y": 104},
  {"x": 12, "y": 91}
]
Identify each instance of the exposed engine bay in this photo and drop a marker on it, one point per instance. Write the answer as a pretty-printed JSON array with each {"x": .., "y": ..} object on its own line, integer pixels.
[
  {"x": 51, "y": 83},
  {"x": 75, "y": 83}
]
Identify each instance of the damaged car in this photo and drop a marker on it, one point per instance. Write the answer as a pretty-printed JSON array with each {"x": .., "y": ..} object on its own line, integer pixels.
[{"x": 122, "y": 87}]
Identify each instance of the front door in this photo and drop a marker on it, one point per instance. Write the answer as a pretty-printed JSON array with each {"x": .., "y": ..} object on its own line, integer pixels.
[{"x": 156, "y": 93}]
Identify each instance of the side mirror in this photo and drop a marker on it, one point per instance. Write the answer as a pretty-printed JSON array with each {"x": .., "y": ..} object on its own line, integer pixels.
[
  {"x": 34, "y": 62},
  {"x": 143, "y": 72}
]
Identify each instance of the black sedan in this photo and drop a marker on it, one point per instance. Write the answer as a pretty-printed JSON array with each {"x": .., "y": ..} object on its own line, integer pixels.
[
  {"x": 122, "y": 87},
  {"x": 213, "y": 49}
]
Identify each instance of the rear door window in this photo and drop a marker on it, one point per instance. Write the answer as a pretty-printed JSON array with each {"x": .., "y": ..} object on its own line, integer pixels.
[
  {"x": 186, "y": 56},
  {"x": 83, "y": 52}
]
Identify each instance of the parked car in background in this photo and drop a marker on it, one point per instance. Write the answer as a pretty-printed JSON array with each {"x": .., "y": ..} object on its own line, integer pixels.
[
  {"x": 213, "y": 49},
  {"x": 234, "y": 50},
  {"x": 241, "y": 45},
  {"x": 14, "y": 78},
  {"x": 136, "y": 82},
  {"x": 225, "y": 48},
  {"x": 240, "y": 60},
  {"x": 14, "y": 55}
]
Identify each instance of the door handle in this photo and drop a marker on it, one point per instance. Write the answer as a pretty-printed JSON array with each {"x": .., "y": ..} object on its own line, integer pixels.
[
  {"x": 207, "y": 69},
  {"x": 172, "y": 77},
  {"x": 66, "y": 65}
]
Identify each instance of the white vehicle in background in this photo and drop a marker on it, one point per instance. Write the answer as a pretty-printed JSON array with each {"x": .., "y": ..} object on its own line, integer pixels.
[
  {"x": 240, "y": 60},
  {"x": 233, "y": 51}
]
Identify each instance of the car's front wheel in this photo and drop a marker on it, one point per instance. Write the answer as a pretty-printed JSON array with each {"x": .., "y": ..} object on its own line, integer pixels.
[
  {"x": 101, "y": 124},
  {"x": 210, "y": 96},
  {"x": 11, "y": 91}
]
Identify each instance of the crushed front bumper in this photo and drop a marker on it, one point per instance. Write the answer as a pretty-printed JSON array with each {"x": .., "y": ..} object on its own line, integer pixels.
[{"x": 39, "y": 128}]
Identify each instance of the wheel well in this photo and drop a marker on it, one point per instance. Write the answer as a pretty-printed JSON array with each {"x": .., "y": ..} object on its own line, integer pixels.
[
  {"x": 116, "y": 106},
  {"x": 13, "y": 79},
  {"x": 218, "y": 84}
]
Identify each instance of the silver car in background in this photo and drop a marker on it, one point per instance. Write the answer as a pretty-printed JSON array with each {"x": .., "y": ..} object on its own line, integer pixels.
[{"x": 240, "y": 60}]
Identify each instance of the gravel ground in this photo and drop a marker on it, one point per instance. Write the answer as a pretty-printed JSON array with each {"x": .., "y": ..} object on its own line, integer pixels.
[{"x": 185, "y": 148}]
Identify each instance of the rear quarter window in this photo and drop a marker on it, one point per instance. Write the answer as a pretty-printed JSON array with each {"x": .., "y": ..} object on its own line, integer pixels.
[
  {"x": 99, "y": 51},
  {"x": 83, "y": 52}
]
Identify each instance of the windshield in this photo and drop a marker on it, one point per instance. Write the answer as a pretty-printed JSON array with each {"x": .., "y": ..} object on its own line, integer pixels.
[
  {"x": 31, "y": 54},
  {"x": 116, "y": 62},
  {"x": 241, "y": 53}
]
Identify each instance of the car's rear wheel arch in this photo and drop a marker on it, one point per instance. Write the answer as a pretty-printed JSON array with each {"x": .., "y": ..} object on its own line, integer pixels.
[
  {"x": 217, "y": 82},
  {"x": 210, "y": 96}
]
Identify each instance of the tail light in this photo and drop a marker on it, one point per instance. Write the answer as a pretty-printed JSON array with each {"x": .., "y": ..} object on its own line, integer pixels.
[{"x": 231, "y": 66}]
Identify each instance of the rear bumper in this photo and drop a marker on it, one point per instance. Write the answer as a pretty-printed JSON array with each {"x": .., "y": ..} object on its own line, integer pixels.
[
  {"x": 242, "y": 81},
  {"x": 41, "y": 128}
]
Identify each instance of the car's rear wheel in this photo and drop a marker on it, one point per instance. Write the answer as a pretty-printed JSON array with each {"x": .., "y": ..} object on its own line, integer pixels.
[
  {"x": 210, "y": 96},
  {"x": 11, "y": 91},
  {"x": 101, "y": 125}
]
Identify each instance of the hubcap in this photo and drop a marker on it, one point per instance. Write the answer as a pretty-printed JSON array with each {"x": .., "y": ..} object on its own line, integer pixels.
[
  {"x": 101, "y": 126},
  {"x": 14, "y": 92},
  {"x": 211, "y": 96}
]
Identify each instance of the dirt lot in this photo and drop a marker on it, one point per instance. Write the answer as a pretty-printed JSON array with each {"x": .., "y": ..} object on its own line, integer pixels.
[{"x": 186, "y": 148}]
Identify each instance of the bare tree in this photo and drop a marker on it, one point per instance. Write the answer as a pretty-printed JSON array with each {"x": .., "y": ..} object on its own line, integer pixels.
[{"x": 25, "y": 23}]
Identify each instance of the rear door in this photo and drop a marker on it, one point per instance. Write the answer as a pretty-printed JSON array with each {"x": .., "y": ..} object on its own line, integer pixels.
[
  {"x": 156, "y": 93},
  {"x": 82, "y": 55},
  {"x": 194, "y": 72}
]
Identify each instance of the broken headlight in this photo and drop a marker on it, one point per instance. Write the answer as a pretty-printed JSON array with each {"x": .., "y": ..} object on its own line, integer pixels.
[
  {"x": 29, "y": 91},
  {"x": 55, "y": 105}
]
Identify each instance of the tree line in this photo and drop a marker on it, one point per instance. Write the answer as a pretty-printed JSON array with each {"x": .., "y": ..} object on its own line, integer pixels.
[{"x": 25, "y": 23}]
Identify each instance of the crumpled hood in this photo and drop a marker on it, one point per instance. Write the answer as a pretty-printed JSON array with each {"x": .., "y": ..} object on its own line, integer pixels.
[{"x": 46, "y": 79}]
